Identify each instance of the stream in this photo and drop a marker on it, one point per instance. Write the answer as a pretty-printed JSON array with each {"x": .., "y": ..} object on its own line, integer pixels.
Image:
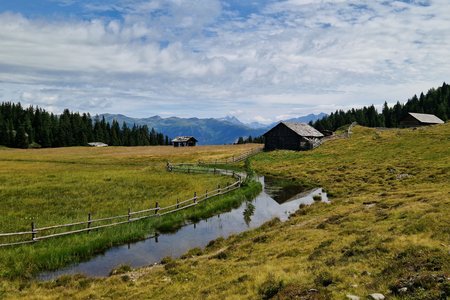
[{"x": 273, "y": 201}]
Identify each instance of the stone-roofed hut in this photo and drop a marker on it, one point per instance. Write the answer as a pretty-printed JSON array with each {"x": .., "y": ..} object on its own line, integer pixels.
[
  {"x": 184, "y": 141},
  {"x": 292, "y": 136},
  {"x": 417, "y": 120}
]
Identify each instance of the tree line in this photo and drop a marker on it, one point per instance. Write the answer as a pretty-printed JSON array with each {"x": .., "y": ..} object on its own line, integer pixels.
[
  {"x": 34, "y": 127},
  {"x": 436, "y": 101},
  {"x": 250, "y": 139}
]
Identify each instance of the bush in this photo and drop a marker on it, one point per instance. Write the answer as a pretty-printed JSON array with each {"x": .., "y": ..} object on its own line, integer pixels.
[
  {"x": 34, "y": 145},
  {"x": 215, "y": 243},
  {"x": 324, "y": 279},
  {"x": 171, "y": 267},
  {"x": 120, "y": 270},
  {"x": 192, "y": 252},
  {"x": 261, "y": 239},
  {"x": 270, "y": 287},
  {"x": 221, "y": 255},
  {"x": 166, "y": 260}
]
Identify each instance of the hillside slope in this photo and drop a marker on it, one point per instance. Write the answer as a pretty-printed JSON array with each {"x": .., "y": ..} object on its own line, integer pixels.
[{"x": 385, "y": 230}]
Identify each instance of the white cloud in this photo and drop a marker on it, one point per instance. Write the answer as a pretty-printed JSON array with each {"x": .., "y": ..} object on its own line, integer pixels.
[
  {"x": 194, "y": 58},
  {"x": 261, "y": 119}
]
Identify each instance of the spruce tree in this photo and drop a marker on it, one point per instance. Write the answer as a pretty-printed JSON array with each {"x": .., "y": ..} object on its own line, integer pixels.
[{"x": 21, "y": 138}]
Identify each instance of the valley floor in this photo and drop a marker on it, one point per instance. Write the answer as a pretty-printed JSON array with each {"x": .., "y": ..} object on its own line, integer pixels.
[{"x": 385, "y": 231}]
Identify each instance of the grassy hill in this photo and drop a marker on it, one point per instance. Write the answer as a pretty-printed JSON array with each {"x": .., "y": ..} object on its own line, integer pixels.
[{"x": 386, "y": 229}]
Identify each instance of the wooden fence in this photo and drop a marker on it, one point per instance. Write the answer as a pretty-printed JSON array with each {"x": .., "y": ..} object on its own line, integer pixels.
[
  {"x": 233, "y": 159},
  {"x": 36, "y": 234}
]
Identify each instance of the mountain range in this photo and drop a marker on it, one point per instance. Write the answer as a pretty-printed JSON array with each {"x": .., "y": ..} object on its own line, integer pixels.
[{"x": 208, "y": 131}]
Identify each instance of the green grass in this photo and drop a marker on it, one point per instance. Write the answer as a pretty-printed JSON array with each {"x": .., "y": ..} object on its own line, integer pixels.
[
  {"x": 54, "y": 186},
  {"x": 25, "y": 261},
  {"x": 57, "y": 186},
  {"x": 385, "y": 228}
]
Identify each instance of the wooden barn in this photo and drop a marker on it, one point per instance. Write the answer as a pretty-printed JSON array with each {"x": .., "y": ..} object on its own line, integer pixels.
[
  {"x": 292, "y": 136},
  {"x": 184, "y": 141},
  {"x": 417, "y": 120}
]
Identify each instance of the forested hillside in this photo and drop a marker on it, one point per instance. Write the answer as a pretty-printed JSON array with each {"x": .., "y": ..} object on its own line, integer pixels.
[
  {"x": 436, "y": 101},
  {"x": 34, "y": 127}
]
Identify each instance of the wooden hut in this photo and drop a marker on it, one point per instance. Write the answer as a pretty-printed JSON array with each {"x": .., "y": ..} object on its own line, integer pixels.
[
  {"x": 97, "y": 144},
  {"x": 184, "y": 141},
  {"x": 292, "y": 136},
  {"x": 417, "y": 120}
]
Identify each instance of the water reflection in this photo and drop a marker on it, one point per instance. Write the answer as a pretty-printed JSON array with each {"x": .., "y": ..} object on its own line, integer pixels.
[
  {"x": 248, "y": 213},
  {"x": 273, "y": 201}
]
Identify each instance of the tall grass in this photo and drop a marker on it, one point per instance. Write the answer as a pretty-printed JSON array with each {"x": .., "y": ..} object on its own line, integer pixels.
[
  {"x": 27, "y": 260},
  {"x": 57, "y": 186}
]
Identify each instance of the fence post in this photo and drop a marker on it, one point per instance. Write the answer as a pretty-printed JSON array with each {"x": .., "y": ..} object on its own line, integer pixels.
[
  {"x": 178, "y": 203},
  {"x": 195, "y": 197},
  {"x": 156, "y": 208},
  {"x": 206, "y": 194},
  {"x": 33, "y": 232},
  {"x": 129, "y": 214},
  {"x": 218, "y": 189},
  {"x": 233, "y": 158},
  {"x": 89, "y": 222}
]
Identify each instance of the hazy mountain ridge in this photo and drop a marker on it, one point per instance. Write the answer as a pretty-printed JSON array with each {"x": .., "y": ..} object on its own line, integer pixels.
[{"x": 208, "y": 131}]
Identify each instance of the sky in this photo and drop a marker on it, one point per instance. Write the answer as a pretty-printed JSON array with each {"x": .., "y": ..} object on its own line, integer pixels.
[{"x": 260, "y": 61}]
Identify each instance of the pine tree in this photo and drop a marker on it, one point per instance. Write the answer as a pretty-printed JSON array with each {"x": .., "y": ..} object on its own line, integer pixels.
[{"x": 21, "y": 138}]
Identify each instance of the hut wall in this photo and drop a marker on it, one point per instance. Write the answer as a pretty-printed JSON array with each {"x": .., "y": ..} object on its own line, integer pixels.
[
  {"x": 410, "y": 121},
  {"x": 282, "y": 137}
]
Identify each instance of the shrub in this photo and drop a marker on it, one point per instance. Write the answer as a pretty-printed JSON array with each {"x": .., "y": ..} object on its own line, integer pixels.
[
  {"x": 120, "y": 270},
  {"x": 192, "y": 252},
  {"x": 261, "y": 239},
  {"x": 215, "y": 242},
  {"x": 171, "y": 267},
  {"x": 166, "y": 260},
  {"x": 221, "y": 255},
  {"x": 270, "y": 287},
  {"x": 324, "y": 279}
]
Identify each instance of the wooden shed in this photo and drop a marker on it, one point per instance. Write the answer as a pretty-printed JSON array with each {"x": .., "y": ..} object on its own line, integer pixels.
[
  {"x": 417, "y": 120},
  {"x": 292, "y": 136},
  {"x": 184, "y": 141},
  {"x": 97, "y": 144}
]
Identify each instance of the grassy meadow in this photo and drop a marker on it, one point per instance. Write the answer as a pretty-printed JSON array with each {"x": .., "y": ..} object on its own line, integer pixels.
[
  {"x": 385, "y": 231},
  {"x": 57, "y": 186},
  {"x": 62, "y": 185}
]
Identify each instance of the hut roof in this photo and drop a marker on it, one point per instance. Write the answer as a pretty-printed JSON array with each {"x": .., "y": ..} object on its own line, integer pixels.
[
  {"x": 426, "y": 118},
  {"x": 97, "y": 144},
  {"x": 303, "y": 129},
  {"x": 182, "y": 139}
]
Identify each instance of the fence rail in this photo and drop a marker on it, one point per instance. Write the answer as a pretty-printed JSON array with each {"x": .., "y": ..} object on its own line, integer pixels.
[
  {"x": 37, "y": 234},
  {"x": 233, "y": 159}
]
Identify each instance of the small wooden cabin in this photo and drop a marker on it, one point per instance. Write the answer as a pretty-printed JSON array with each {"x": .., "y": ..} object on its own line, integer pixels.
[
  {"x": 184, "y": 141},
  {"x": 292, "y": 136},
  {"x": 417, "y": 120}
]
